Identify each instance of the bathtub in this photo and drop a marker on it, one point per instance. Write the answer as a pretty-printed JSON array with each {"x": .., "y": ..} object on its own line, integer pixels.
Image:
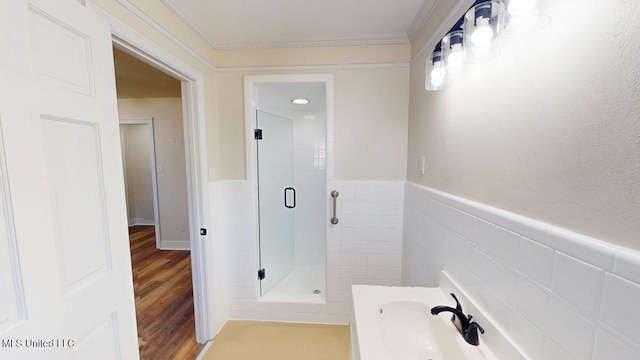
[{"x": 396, "y": 323}]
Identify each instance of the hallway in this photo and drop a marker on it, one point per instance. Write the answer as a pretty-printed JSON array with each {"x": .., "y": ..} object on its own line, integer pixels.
[{"x": 163, "y": 297}]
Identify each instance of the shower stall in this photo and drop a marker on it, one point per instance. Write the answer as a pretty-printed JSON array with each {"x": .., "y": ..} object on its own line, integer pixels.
[{"x": 290, "y": 174}]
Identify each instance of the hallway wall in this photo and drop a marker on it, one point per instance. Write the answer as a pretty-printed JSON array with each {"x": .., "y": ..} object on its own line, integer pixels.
[
  {"x": 137, "y": 157},
  {"x": 172, "y": 181}
]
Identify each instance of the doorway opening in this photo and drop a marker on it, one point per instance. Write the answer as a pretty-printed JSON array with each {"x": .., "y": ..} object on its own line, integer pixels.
[{"x": 156, "y": 183}]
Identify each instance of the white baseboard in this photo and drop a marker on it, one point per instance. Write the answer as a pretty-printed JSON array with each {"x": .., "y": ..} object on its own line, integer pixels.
[
  {"x": 204, "y": 350},
  {"x": 174, "y": 245},
  {"x": 141, "y": 221}
]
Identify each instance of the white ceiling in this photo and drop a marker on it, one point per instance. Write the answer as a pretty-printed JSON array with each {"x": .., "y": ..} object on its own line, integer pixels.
[{"x": 228, "y": 24}]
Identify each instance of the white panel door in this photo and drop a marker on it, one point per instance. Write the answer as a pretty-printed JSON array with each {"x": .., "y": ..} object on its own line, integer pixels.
[{"x": 65, "y": 269}]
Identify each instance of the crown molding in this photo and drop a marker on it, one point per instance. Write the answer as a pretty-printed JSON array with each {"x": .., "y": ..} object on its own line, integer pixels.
[
  {"x": 161, "y": 29},
  {"x": 440, "y": 31},
  {"x": 193, "y": 21},
  {"x": 420, "y": 19},
  {"x": 314, "y": 43},
  {"x": 313, "y": 67},
  {"x": 120, "y": 28},
  {"x": 189, "y": 18}
]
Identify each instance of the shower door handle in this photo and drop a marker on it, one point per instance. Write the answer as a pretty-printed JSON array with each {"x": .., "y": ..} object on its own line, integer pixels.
[{"x": 286, "y": 204}]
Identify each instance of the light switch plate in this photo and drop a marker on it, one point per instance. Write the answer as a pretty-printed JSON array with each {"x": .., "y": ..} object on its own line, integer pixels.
[{"x": 421, "y": 163}]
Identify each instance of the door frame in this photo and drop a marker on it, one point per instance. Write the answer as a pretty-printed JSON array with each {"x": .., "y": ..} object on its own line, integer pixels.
[
  {"x": 154, "y": 177},
  {"x": 250, "y": 106},
  {"x": 194, "y": 123}
]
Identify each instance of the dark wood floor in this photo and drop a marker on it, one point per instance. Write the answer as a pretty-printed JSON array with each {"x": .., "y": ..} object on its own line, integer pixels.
[{"x": 164, "y": 298}]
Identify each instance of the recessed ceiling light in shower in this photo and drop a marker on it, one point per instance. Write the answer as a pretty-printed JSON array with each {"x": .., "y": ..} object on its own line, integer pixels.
[{"x": 300, "y": 101}]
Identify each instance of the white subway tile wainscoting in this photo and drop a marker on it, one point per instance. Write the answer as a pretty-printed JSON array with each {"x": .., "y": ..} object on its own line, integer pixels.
[
  {"x": 365, "y": 247},
  {"x": 557, "y": 294}
]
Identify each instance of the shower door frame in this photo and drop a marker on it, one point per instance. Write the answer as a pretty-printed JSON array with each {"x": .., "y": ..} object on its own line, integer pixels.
[
  {"x": 250, "y": 100},
  {"x": 276, "y": 217}
]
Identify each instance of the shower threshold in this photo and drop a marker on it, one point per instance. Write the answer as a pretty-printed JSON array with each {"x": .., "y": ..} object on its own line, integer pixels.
[{"x": 305, "y": 284}]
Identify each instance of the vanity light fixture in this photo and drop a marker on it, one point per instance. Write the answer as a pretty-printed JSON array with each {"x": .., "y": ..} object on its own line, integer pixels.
[
  {"x": 300, "y": 101},
  {"x": 470, "y": 39}
]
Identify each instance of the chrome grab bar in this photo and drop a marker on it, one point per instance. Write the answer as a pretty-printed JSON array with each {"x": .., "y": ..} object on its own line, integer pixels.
[{"x": 334, "y": 219}]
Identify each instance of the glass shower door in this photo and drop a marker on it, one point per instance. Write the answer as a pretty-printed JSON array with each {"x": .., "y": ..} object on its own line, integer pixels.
[{"x": 276, "y": 197}]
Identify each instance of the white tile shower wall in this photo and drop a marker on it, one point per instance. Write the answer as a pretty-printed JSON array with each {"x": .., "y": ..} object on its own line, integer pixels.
[
  {"x": 364, "y": 248},
  {"x": 309, "y": 169},
  {"x": 557, "y": 294}
]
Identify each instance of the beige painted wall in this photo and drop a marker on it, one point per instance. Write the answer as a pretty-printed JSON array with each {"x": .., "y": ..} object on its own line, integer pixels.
[
  {"x": 137, "y": 161},
  {"x": 371, "y": 105},
  {"x": 376, "y": 97},
  {"x": 549, "y": 130},
  {"x": 370, "y": 123},
  {"x": 172, "y": 182}
]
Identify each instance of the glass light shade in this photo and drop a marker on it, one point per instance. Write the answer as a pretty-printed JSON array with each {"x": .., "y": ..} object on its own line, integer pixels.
[
  {"x": 482, "y": 34},
  {"x": 454, "y": 51},
  {"x": 521, "y": 7},
  {"x": 484, "y": 22},
  {"x": 436, "y": 73},
  {"x": 456, "y": 56}
]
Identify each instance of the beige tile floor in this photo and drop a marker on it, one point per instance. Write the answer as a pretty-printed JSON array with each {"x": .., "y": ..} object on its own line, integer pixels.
[{"x": 256, "y": 340}]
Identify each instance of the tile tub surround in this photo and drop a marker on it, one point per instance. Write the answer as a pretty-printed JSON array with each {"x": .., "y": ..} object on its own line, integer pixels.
[
  {"x": 558, "y": 294},
  {"x": 364, "y": 248}
]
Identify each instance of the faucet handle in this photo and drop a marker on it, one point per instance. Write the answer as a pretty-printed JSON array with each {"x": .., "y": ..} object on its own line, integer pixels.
[
  {"x": 458, "y": 306},
  {"x": 457, "y": 322},
  {"x": 478, "y": 326},
  {"x": 471, "y": 336}
]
